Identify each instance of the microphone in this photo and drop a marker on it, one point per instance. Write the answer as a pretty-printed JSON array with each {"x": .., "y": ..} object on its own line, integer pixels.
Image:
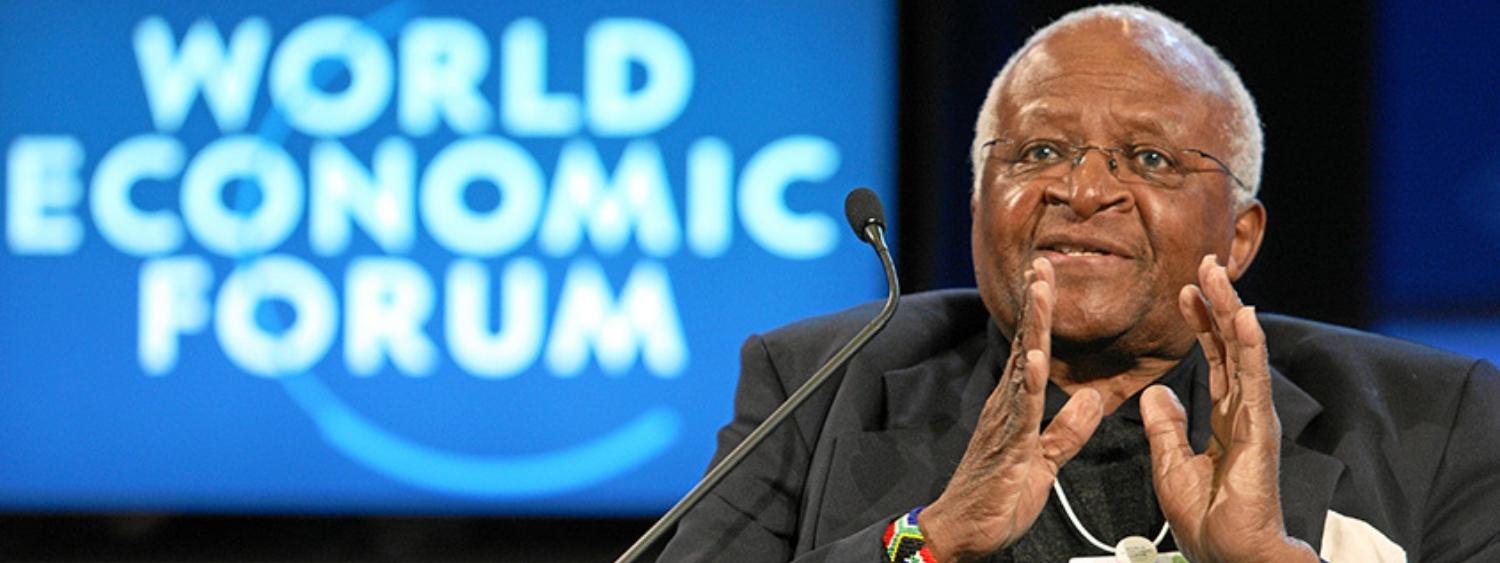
[
  {"x": 867, "y": 217},
  {"x": 863, "y": 210}
]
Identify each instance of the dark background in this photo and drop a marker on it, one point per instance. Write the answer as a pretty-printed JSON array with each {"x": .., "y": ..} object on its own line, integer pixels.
[{"x": 1309, "y": 65}]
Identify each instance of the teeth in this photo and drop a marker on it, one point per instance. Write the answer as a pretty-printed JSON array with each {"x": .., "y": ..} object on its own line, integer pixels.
[{"x": 1071, "y": 251}]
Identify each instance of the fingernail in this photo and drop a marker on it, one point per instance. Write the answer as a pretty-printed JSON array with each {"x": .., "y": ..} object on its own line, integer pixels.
[
  {"x": 1170, "y": 395},
  {"x": 1250, "y": 314}
]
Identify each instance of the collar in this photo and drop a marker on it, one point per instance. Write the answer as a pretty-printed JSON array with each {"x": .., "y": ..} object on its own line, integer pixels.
[{"x": 1188, "y": 379}]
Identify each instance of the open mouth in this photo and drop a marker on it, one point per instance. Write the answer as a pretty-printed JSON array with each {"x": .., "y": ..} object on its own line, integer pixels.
[
  {"x": 1075, "y": 250},
  {"x": 1074, "y": 246}
]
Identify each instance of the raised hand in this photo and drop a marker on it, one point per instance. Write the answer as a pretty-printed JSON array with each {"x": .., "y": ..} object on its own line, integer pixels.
[
  {"x": 1006, "y": 473},
  {"x": 1223, "y": 504}
]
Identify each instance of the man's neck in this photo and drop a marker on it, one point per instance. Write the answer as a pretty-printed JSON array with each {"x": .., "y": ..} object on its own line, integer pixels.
[{"x": 1116, "y": 380}]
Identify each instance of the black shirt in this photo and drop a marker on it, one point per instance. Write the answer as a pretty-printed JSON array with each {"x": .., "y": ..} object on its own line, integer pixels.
[{"x": 1109, "y": 482}]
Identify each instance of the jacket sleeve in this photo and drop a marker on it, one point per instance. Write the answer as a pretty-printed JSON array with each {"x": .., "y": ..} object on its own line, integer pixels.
[
  {"x": 1461, "y": 523},
  {"x": 753, "y": 514}
]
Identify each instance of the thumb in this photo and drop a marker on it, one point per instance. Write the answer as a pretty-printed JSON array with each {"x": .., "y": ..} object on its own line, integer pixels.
[
  {"x": 1174, "y": 468},
  {"x": 1072, "y": 427}
]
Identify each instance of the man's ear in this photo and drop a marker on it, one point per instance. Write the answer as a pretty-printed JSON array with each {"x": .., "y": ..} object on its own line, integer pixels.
[{"x": 1249, "y": 229}]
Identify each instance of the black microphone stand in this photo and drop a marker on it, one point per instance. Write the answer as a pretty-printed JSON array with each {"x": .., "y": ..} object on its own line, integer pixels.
[{"x": 871, "y": 229}]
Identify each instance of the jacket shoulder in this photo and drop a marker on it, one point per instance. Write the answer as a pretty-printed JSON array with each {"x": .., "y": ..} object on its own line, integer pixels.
[
  {"x": 924, "y": 324},
  {"x": 1368, "y": 383},
  {"x": 1299, "y": 346}
]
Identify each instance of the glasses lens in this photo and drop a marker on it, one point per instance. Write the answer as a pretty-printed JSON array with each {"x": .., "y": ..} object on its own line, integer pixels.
[{"x": 1151, "y": 165}]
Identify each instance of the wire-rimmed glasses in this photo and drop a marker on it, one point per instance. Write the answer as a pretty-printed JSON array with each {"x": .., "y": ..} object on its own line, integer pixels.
[{"x": 1053, "y": 159}]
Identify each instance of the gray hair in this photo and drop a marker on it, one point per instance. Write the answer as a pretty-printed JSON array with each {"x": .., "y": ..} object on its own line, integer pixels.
[{"x": 1246, "y": 140}]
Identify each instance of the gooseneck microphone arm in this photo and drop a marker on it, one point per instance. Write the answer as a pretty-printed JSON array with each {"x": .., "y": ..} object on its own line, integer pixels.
[{"x": 867, "y": 218}]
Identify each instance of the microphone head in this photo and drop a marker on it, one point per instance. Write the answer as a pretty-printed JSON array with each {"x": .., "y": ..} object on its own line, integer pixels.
[{"x": 862, "y": 208}]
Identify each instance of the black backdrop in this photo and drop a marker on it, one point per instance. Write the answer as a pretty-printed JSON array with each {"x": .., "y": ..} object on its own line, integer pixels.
[{"x": 1308, "y": 64}]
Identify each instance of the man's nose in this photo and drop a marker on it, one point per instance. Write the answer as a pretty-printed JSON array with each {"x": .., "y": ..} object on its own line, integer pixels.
[{"x": 1093, "y": 185}]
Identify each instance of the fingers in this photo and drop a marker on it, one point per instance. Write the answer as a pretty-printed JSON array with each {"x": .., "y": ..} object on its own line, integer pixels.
[
  {"x": 1030, "y": 404},
  {"x": 1036, "y": 343},
  {"x": 1072, "y": 427},
  {"x": 1037, "y": 334},
  {"x": 1255, "y": 381},
  {"x": 1235, "y": 347},
  {"x": 1255, "y": 374},
  {"x": 1194, "y": 308},
  {"x": 1019, "y": 398},
  {"x": 1026, "y": 325},
  {"x": 1223, "y": 300},
  {"x": 1222, "y": 304}
]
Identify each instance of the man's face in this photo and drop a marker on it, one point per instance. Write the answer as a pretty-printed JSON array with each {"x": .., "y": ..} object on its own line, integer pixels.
[{"x": 1122, "y": 250}]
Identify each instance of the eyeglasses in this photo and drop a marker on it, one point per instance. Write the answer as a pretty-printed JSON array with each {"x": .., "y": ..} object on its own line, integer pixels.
[{"x": 1143, "y": 164}]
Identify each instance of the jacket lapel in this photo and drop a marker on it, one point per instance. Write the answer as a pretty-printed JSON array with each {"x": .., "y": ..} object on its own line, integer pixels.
[
  {"x": 1307, "y": 476},
  {"x": 892, "y": 440}
]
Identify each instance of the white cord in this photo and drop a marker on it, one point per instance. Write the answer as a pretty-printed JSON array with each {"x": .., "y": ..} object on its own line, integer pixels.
[{"x": 1068, "y": 509}]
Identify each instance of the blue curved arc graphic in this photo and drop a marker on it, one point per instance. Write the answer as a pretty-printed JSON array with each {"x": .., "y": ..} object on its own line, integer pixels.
[{"x": 517, "y": 476}]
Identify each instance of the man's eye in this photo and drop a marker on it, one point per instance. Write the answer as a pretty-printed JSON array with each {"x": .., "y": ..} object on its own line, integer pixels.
[
  {"x": 1152, "y": 159},
  {"x": 1040, "y": 153}
]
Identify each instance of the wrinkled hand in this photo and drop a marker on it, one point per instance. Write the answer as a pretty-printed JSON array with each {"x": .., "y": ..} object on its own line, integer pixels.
[
  {"x": 1006, "y": 474},
  {"x": 1223, "y": 504}
]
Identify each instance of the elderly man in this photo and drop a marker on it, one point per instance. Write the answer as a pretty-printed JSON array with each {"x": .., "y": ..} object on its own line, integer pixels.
[{"x": 1106, "y": 385}]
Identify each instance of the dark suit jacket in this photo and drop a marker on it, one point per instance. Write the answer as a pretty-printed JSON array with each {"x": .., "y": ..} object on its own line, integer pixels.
[{"x": 1399, "y": 436}]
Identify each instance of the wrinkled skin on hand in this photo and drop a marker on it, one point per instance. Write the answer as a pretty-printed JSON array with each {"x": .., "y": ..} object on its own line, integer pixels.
[
  {"x": 1006, "y": 475},
  {"x": 1223, "y": 504}
]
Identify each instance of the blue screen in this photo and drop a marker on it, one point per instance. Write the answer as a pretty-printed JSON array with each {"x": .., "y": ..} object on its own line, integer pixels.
[
  {"x": 1438, "y": 172},
  {"x": 414, "y": 257}
]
